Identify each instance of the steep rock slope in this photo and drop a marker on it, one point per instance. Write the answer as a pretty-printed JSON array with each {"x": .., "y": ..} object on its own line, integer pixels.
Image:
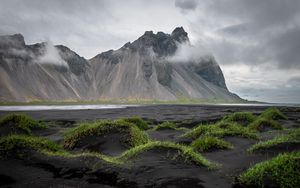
[
  {"x": 142, "y": 70},
  {"x": 138, "y": 71},
  {"x": 42, "y": 72}
]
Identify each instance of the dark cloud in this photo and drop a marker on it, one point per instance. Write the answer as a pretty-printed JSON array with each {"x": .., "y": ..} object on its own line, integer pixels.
[
  {"x": 265, "y": 31},
  {"x": 256, "y": 33},
  {"x": 186, "y": 4}
]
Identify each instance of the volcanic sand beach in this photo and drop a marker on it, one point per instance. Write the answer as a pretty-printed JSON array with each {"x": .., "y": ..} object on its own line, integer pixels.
[{"x": 153, "y": 168}]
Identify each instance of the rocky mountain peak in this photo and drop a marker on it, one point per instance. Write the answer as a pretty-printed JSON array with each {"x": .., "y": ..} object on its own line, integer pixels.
[
  {"x": 161, "y": 43},
  {"x": 12, "y": 41},
  {"x": 180, "y": 35}
]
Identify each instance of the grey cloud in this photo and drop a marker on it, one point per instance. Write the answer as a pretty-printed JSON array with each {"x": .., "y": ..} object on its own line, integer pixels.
[
  {"x": 186, "y": 4},
  {"x": 295, "y": 81},
  {"x": 265, "y": 31},
  {"x": 258, "y": 33},
  {"x": 285, "y": 48}
]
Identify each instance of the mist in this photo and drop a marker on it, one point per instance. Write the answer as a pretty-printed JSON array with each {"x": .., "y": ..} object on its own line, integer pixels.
[
  {"x": 51, "y": 56},
  {"x": 186, "y": 52}
]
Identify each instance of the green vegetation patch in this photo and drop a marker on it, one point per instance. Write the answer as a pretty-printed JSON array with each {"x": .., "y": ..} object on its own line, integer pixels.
[
  {"x": 18, "y": 146},
  {"x": 21, "y": 122},
  {"x": 293, "y": 137},
  {"x": 207, "y": 143},
  {"x": 14, "y": 144},
  {"x": 221, "y": 129},
  {"x": 131, "y": 135},
  {"x": 240, "y": 117},
  {"x": 281, "y": 171},
  {"x": 139, "y": 122},
  {"x": 273, "y": 113},
  {"x": 262, "y": 123},
  {"x": 187, "y": 152},
  {"x": 168, "y": 125}
]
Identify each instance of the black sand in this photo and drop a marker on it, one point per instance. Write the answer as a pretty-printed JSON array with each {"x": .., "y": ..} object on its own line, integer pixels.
[{"x": 150, "y": 169}]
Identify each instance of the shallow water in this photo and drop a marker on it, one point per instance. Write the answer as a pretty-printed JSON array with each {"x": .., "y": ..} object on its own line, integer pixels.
[
  {"x": 61, "y": 107},
  {"x": 116, "y": 106}
]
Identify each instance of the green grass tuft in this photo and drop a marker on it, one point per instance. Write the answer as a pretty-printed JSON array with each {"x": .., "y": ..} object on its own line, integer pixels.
[
  {"x": 168, "y": 125},
  {"x": 207, "y": 143},
  {"x": 273, "y": 113},
  {"x": 221, "y": 129},
  {"x": 293, "y": 137},
  {"x": 281, "y": 171},
  {"x": 21, "y": 122},
  {"x": 238, "y": 117},
  {"x": 131, "y": 134},
  {"x": 186, "y": 152},
  {"x": 139, "y": 122},
  {"x": 165, "y": 125},
  {"x": 18, "y": 145},
  {"x": 261, "y": 123},
  {"x": 13, "y": 144}
]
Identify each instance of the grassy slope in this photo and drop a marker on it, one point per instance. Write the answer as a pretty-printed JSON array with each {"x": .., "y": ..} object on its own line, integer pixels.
[
  {"x": 168, "y": 125},
  {"x": 281, "y": 171},
  {"x": 19, "y": 144},
  {"x": 21, "y": 122},
  {"x": 219, "y": 130},
  {"x": 293, "y": 137},
  {"x": 207, "y": 143},
  {"x": 133, "y": 135}
]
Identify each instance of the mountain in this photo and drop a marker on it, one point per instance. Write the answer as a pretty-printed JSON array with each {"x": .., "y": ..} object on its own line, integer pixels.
[
  {"x": 42, "y": 72},
  {"x": 142, "y": 70}
]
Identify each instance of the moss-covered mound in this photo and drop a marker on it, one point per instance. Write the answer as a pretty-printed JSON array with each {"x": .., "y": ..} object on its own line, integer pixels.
[
  {"x": 290, "y": 139},
  {"x": 21, "y": 146},
  {"x": 209, "y": 143},
  {"x": 165, "y": 125},
  {"x": 243, "y": 118},
  {"x": 168, "y": 126},
  {"x": 17, "y": 145},
  {"x": 221, "y": 129},
  {"x": 19, "y": 123},
  {"x": 131, "y": 135},
  {"x": 139, "y": 122},
  {"x": 186, "y": 152},
  {"x": 273, "y": 113},
  {"x": 262, "y": 124},
  {"x": 281, "y": 171}
]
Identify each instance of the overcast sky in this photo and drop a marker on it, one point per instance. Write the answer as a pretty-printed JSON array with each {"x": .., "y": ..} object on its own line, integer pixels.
[{"x": 256, "y": 42}]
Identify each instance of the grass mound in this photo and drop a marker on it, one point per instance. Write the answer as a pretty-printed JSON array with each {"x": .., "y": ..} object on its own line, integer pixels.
[
  {"x": 168, "y": 125},
  {"x": 263, "y": 123},
  {"x": 240, "y": 117},
  {"x": 186, "y": 152},
  {"x": 273, "y": 113},
  {"x": 18, "y": 146},
  {"x": 281, "y": 171},
  {"x": 139, "y": 122},
  {"x": 207, "y": 143},
  {"x": 165, "y": 125},
  {"x": 20, "y": 122},
  {"x": 131, "y": 135},
  {"x": 15, "y": 144},
  {"x": 293, "y": 137},
  {"x": 221, "y": 129}
]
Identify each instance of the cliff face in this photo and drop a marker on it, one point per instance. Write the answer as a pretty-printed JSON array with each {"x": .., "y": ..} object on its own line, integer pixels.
[
  {"x": 141, "y": 70},
  {"x": 42, "y": 72}
]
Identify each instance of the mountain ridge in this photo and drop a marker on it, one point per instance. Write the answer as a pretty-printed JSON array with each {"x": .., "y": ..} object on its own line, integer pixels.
[{"x": 139, "y": 70}]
